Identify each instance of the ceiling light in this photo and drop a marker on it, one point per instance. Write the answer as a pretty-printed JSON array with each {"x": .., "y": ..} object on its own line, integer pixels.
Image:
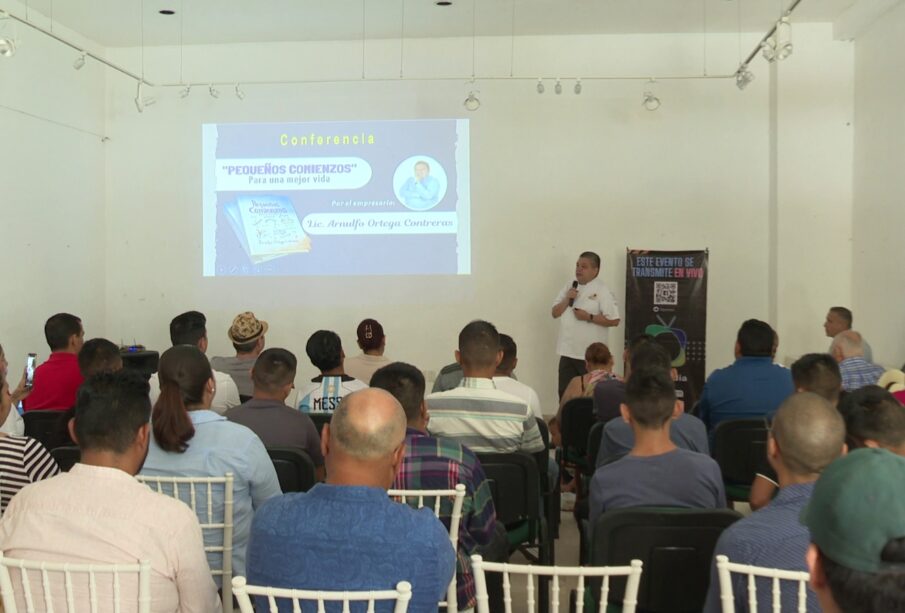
[
  {"x": 540, "y": 86},
  {"x": 783, "y": 38},
  {"x": 768, "y": 49},
  {"x": 443, "y": 3},
  {"x": 472, "y": 103},
  {"x": 7, "y": 47},
  {"x": 239, "y": 93},
  {"x": 79, "y": 62},
  {"x": 141, "y": 101},
  {"x": 167, "y": 12},
  {"x": 743, "y": 77},
  {"x": 185, "y": 91},
  {"x": 577, "y": 86},
  {"x": 558, "y": 87},
  {"x": 649, "y": 99},
  {"x": 213, "y": 92}
]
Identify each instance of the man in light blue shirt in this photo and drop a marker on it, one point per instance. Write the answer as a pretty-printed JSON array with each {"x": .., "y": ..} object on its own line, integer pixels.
[
  {"x": 422, "y": 191},
  {"x": 848, "y": 349},
  {"x": 346, "y": 534}
]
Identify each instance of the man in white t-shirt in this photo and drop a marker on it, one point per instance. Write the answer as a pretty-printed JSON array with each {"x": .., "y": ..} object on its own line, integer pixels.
[
  {"x": 586, "y": 309},
  {"x": 325, "y": 391},
  {"x": 190, "y": 328},
  {"x": 504, "y": 379}
]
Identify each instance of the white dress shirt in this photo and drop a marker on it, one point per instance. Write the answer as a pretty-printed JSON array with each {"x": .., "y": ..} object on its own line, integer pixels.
[{"x": 575, "y": 335}]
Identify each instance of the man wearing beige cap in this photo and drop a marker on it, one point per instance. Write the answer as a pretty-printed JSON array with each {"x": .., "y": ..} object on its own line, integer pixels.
[
  {"x": 856, "y": 517},
  {"x": 247, "y": 335}
]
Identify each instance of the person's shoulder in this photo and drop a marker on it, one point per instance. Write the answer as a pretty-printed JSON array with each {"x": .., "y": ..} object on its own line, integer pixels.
[
  {"x": 355, "y": 384},
  {"x": 701, "y": 461},
  {"x": 690, "y": 422},
  {"x": 218, "y": 361}
]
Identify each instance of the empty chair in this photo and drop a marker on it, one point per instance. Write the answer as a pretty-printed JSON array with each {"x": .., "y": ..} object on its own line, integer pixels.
[
  {"x": 725, "y": 568},
  {"x": 632, "y": 572},
  {"x": 416, "y": 498},
  {"x": 117, "y": 587},
  {"x": 295, "y": 468},
  {"x": 216, "y": 523},
  {"x": 675, "y": 545},
  {"x": 739, "y": 447},
  {"x": 401, "y": 595}
]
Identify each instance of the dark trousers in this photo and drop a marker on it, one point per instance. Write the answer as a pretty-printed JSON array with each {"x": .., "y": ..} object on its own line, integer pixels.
[{"x": 568, "y": 369}]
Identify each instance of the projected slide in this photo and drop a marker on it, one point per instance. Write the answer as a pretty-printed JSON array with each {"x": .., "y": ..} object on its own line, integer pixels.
[{"x": 337, "y": 198}]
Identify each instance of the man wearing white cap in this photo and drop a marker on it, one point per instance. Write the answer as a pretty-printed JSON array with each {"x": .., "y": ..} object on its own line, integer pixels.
[{"x": 247, "y": 336}]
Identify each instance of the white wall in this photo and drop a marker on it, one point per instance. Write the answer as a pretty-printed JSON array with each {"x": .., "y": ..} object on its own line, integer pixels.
[
  {"x": 552, "y": 176},
  {"x": 878, "y": 274},
  {"x": 52, "y": 204}
]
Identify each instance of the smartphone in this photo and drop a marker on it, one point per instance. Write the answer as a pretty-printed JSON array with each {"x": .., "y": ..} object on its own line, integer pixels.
[{"x": 30, "y": 364}]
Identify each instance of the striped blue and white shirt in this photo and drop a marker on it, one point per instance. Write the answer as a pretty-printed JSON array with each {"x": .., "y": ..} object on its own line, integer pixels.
[
  {"x": 324, "y": 393},
  {"x": 486, "y": 420},
  {"x": 857, "y": 372}
]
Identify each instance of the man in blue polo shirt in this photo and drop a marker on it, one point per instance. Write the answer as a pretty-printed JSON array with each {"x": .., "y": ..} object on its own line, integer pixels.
[
  {"x": 346, "y": 534},
  {"x": 753, "y": 386}
]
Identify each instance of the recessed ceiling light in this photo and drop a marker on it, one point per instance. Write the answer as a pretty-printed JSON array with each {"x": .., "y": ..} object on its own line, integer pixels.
[{"x": 167, "y": 12}]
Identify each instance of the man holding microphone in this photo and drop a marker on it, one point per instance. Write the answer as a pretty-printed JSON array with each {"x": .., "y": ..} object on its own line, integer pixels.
[{"x": 585, "y": 308}]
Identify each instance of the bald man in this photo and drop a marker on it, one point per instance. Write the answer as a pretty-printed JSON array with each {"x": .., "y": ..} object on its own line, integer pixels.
[
  {"x": 848, "y": 349},
  {"x": 346, "y": 534},
  {"x": 807, "y": 434}
]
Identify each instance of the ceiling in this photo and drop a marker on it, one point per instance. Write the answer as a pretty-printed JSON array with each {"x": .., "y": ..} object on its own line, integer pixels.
[{"x": 117, "y": 23}]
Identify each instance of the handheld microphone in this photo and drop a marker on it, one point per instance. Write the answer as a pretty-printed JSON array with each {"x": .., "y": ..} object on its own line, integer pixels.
[{"x": 574, "y": 286}]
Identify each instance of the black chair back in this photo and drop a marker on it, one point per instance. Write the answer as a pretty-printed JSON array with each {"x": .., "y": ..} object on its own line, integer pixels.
[
  {"x": 319, "y": 420},
  {"x": 675, "y": 545},
  {"x": 295, "y": 468},
  {"x": 45, "y": 426},
  {"x": 514, "y": 485},
  {"x": 739, "y": 447},
  {"x": 595, "y": 438},
  {"x": 66, "y": 457},
  {"x": 576, "y": 420}
]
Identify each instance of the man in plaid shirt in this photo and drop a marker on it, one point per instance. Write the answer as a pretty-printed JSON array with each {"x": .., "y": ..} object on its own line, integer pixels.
[{"x": 441, "y": 463}]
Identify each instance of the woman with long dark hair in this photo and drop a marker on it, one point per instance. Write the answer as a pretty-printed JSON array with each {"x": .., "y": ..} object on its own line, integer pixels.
[{"x": 191, "y": 440}]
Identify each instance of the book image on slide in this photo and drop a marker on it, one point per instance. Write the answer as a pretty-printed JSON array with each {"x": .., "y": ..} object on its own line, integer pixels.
[{"x": 267, "y": 226}]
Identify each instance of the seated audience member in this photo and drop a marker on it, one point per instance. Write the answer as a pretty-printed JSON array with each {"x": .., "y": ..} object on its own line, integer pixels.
[
  {"x": 267, "y": 415},
  {"x": 504, "y": 378},
  {"x": 440, "y": 464},
  {"x": 874, "y": 418},
  {"x": 58, "y": 379},
  {"x": 449, "y": 378},
  {"x": 191, "y": 440},
  {"x": 806, "y": 436},
  {"x": 190, "y": 328},
  {"x": 247, "y": 336},
  {"x": 686, "y": 431},
  {"x": 609, "y": 394},
  {"x": 489, "y": 420},
  {"x": 326, "y": 390},
  {"x": 98, "y": 513},
  {"x": 848, "y": 349},
  {"x": 753, "y": 386},
  {"x": 839, "y": 319},
  {"x": 812, "y": 372},
  {"x": 97, "y": 355},
  {"x": 23, "y": 460},
  {"x": 655, "y": 472},
  {"x": 13, "y": 423},
  {"x": 599, "y": 362},
  {"x": 346, "y": 534},
  {"x": 856, "y": 518},
  {"x": 373, "y": 343}
]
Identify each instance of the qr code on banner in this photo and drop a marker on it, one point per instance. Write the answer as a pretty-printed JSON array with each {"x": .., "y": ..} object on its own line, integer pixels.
[{"x": 666, "y": 293}]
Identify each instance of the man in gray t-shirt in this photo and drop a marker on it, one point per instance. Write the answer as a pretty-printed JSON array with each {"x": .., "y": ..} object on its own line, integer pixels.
[
  {"x": 655, "y": 472},
  {"x": 686, "y": 432}
]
